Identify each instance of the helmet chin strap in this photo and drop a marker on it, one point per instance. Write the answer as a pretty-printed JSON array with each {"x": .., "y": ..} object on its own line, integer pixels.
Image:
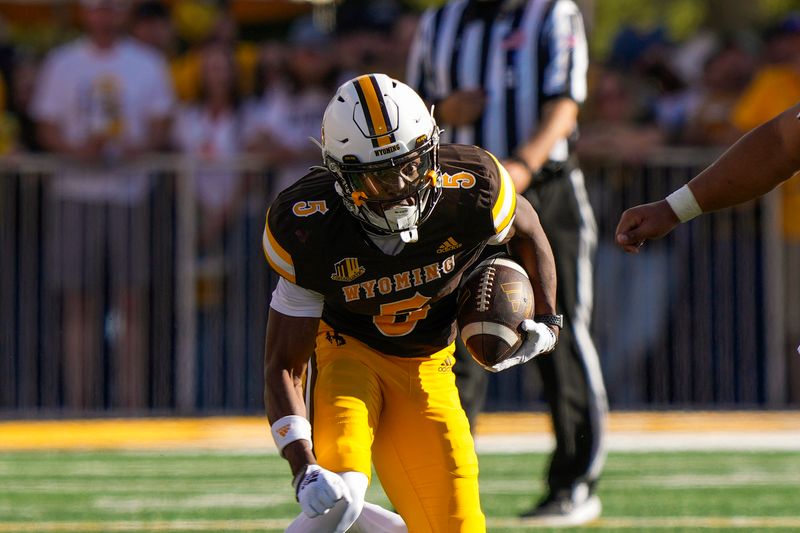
[{"x": 409, "y": 235}]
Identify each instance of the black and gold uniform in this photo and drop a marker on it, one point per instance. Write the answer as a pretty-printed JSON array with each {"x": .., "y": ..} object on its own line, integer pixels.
[
  {"x": 381, "y": 387},
  {"x": 402, "y": 305}
]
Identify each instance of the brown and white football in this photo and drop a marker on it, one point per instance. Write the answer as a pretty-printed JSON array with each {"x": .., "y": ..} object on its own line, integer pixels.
[{"x": 493, "y": 301}]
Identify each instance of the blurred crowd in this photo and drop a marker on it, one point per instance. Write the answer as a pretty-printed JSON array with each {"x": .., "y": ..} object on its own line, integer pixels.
[
  {"x": 223, "y": 95},
  {"x": 652, "y": 91},
  {"x": 216, "y": 95},
  {"x": 130, "y": 83}
]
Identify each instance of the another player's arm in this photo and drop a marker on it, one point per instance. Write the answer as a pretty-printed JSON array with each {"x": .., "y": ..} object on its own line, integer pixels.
[
  {"x": 754, "y": 165},
  {"x": 289, "y": 346}
]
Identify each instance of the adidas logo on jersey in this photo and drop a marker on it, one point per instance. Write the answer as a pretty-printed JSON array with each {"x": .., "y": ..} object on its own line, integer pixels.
[
  {"x": 447, "y": 365},
  {"x": 448, "y": 246}
]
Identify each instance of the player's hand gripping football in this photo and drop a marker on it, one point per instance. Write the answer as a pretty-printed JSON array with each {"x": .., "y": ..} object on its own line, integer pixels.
[
  {"x": 318, "y": 490},
  {"x": 539, "y": 339}
]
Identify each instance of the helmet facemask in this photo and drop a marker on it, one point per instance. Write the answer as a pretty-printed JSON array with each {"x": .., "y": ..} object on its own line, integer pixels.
[{"x": 392, "y": 196}]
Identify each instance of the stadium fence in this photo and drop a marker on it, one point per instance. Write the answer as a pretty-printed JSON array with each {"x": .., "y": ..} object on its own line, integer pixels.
[{"x": 142, "y": 289}]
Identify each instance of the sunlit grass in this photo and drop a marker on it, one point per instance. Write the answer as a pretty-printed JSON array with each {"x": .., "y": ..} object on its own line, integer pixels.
[{"x": 182, "y": 491}]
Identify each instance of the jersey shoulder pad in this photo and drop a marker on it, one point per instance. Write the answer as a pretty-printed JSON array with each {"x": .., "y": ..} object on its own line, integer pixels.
[
  {"x": 482, "y": 176},
  {"x": 293, "y": 217}
]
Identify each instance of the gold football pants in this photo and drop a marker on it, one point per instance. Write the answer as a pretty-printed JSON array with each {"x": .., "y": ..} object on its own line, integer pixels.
[{"x": 403, "y": 415}]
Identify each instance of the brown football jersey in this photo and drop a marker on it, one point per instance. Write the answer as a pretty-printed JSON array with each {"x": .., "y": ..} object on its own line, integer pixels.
[{"x": 404, "y": 304}]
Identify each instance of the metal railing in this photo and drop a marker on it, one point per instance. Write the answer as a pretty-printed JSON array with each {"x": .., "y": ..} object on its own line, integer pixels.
[
  {"x": 131, "y": 298},
  {"x": 152, "y": 298},
  {"x": 696, "y": 320}
]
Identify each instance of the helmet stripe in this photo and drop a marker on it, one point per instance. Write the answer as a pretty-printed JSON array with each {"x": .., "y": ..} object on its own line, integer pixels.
[
  {"x": 382, "y": 141},
  {"x": 374, "y": 108}
]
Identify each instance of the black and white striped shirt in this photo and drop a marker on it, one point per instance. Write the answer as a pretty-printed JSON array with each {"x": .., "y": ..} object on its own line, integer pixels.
[{"x": 521, "y": 53}]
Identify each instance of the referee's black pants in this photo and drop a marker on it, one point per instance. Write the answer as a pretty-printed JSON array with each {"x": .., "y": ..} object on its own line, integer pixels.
[{"x": 571, "y": 377}]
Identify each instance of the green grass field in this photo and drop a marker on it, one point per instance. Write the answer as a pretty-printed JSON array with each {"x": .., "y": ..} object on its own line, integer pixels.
[{"x": 191, "y": 491}]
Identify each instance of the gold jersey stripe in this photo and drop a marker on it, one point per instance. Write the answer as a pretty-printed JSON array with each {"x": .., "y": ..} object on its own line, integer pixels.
[
  {"x": 506, "y": 204},
  {"x": 278, "y": 258}
]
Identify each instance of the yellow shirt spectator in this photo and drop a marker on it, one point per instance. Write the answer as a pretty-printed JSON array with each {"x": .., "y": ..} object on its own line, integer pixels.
[
  {"x": 774, "y": 89},
  {"x": 186, "y": 71}
]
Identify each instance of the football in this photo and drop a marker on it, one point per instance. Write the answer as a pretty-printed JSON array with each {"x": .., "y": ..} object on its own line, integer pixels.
[{"x": 494, "y": 299}]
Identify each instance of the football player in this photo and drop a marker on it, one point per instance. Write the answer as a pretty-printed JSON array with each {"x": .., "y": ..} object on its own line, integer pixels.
[
  {"x": 370, "y": 248},
  {"x": 757, "y": 163}
]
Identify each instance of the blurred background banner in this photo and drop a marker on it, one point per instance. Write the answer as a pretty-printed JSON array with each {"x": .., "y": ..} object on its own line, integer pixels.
[{"x": 141, "y": 143}]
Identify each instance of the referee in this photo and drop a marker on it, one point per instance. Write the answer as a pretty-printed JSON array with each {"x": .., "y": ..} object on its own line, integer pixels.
[{"x": 509, "y": 75}]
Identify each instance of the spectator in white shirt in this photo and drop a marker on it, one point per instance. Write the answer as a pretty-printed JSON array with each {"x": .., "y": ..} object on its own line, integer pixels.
[
  {"x": 289, "y": 114},
  {"x": 101, "y": 100},
  {"x": 209, "y": 131}
]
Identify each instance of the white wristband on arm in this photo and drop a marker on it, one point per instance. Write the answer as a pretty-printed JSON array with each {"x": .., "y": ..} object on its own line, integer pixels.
[
  {"x": 290, "y": 428},
  {"x": 684, "y": 204}
]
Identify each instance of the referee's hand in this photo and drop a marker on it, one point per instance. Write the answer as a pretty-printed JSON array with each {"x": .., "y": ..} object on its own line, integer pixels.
[
  {"x": 519, "y": 173},
  {"x": 461, "y": 107}
]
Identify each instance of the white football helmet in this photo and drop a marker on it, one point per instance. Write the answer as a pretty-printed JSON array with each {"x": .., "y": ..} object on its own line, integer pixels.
[{"x": 382, "y": 144}]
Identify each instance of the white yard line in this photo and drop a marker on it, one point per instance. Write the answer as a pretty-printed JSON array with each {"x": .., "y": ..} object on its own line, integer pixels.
[
  {"x": 652, "y": 441},
  {"x": 138, "y": 526},
  {"x": 747, "y": 523}
]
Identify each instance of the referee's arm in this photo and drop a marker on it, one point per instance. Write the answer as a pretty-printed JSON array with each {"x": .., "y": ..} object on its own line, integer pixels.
[
  {"x": 563, "y": 89},
  {"x": 559, "y": 118},
  {"x": 753, "y": 166},
  {"x": 456, "y": 108}
]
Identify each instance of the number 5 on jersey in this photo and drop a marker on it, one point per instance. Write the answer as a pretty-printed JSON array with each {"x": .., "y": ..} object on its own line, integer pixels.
[{"x": 401, "y": 317}]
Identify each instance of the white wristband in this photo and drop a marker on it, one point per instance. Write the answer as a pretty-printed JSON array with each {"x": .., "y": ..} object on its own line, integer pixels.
[
  {"x": 684, "y": 204},
  {"x": 289, "y": 429}
]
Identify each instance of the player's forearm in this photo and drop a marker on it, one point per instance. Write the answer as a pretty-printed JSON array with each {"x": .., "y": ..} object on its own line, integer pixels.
[
  {"x": 530, "y": 247},
  {"x": 283, "y": 397},
  {"x": 538, "y": 262},
  {"x": 289, "y": 344},
  {"x": 753, "y": 166},
  {"x": 283, "y": 394}
]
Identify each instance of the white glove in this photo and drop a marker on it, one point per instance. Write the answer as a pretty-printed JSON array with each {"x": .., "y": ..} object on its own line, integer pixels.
[
  {"x": 318, "y": 490},
  {"x": 539, "y": 339}
]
